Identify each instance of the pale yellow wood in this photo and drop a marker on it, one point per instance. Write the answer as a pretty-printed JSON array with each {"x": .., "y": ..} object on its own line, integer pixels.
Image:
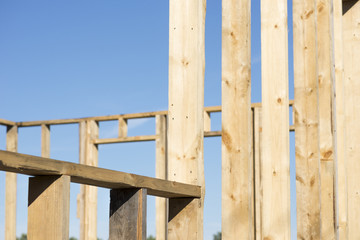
[
  {"x": 186, "y": 111},
  {"x": 125, "y": 139},
  {"x": 325, "y": 79},
  {"x": 341, "y": 195},
  {"x": 123, "y": 128},
  {"x": 306, "y": 119},
  {"x": 257, "y": 171},
  {"x": 45, "y": 140},
  {"x": 237, "y": 182},
  {"x": 212, "y": 134},
  {"x": 81, "y": 196},
  {"x": 49, "y": 208},
  {"x": 161, "y": 172},
  {"x": 6, "y": 122},
  {"x": 10, "y": 187},
  {"x": 351, "y": 37},
  {"x": 207, "y": 121},
  {"x": 275, "y": 112}
]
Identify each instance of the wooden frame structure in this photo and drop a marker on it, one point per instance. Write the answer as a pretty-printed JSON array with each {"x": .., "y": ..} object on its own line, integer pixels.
[{"x": 255, "y": 136}]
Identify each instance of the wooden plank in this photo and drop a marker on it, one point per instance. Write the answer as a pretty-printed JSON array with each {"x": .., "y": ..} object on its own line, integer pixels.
[
  {"x": 237, "y": 182},
  {"x": 257, "y": 171},
  {"x": 127, "y": 214},
  {"x": 125, "y": 139},
  {"x": 325, "y": 81},
  {"x": 10, "y": 187},
  {"x": 100, "y": 177},
  {"x": 186, "y": 110},
  {"x": 45, "y": 140},
  {"x": 351, "y": 37},
  {"x": 49, "y": 207},
  {"x": 306, "y": 118},
  {"x": 161, "y": 169},
  {"x": 123, "y": 128},
  {"x": 81, "y": 195},
  {"x": 6, "y": 122},
  {"x": 275, "y": 136},
  {"x": 212, "y": 134},
  {"x": 207, "y": 121}
]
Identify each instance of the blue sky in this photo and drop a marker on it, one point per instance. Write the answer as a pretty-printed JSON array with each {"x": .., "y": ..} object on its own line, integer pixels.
[{"x": 66, "y": 59}]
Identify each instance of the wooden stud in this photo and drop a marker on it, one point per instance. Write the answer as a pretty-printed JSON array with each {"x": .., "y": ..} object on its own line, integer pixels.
[
  {"x": 237, "y": 218},
  {"x": 10, "y": 187},
  {"x": 186, "y": 111},
  {"x": 161, "y": 172},
  {"x": 45, "y": 140},
  {"x": 127, "y": 214},
  {"x": 307, "y": 153},
  {"x": 275, "y": 171},
  {"x": 123, "y": 128},
  {"x": 326, "y": 123},
  {"x": 81, "y": 196},
  {"x": 49, "y": 207},
  {"x": 351, "y": 37},
  {"x": 207, "y": 121}
]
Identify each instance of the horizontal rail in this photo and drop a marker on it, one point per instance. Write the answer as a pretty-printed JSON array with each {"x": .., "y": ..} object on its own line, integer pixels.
[
  {"x": 125, "y": 139},
  {"x": 116, "y": 117},
  {"x": 100, "y": 177},
  {"x": 7, "y": 122},
  {"x": 212, "y": 133}
]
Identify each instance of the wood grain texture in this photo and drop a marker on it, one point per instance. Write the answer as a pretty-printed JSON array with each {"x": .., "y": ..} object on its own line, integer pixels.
[
  {"x": 161, "y": 169},
  {"x": 351, "y": 37},
  {"x": 307, "y": 155},
  {"x": 45, "y": 141},
  {"x": 326, "y": 137},
  {"x": 257, "y": 132},
  {"x": 186, "y": 110},
  {"x": 10, "y": 187},
  {"x": 275, "y": 109},
  {"x": 127, "y": 214},
  {"x": 49, "y": 207},
  {"x": 100, "y": 177},
  {"x": 237, "y": 188}
]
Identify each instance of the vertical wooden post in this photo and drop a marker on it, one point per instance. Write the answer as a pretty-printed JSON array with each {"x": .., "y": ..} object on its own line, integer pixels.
[
  {"x": 257, "y": 129},
  {"x": 306, "y": 120},
  {"x": 88, "y": 194},
  {"x": 10, "y": 187},
  {"x": 207, "y": 122},
  {"x": 45, "y": 140},
  {"x": 49, "y": 207},
  {"x": 161, "y": 172},
  {"x": 326, "y": 123},
  {"x": 275, "y": 174},
  {"x": 237, "y": 172},
  {"x": 186, "y": 111},
  {"x": 122, "y": 127},
  {"x": 351, "y": 37},
  {"x": 127, "y": 214}
]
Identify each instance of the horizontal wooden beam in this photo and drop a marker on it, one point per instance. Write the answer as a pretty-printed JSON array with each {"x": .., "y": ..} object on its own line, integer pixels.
[
  {"x": 7, "y": 122},
  {"x": 125, "y": 139},
  {"x": 212, "y": 134},
  {"x": 100, "y": 177}
]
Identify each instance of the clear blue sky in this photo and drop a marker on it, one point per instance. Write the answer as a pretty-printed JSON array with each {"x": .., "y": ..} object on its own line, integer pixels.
[{"x": 66, "y": 59}]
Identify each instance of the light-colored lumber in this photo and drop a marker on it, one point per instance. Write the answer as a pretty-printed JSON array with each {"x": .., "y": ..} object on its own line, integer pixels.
[
  {"x": 351, "y": 37},
  {"x": 326, "y": 141},
  {"x": 186, "y": 111},
  {"x": 49, "y": 207},
  {"x": 341, "y": 193},
  {"x": 161, "y": 169},
  {"x": 275, "y": 112},
  {"x": 10, "y": 187},
  {"x": 6, "y": 122},
  {"x": 257, "y": 171},
  {"x": 123, "y": 128},
  {"x": 89, "y": 217},
  {"x": 127, "y": 214},
  {"x": 100, "y": 177},
  {"x": 212, "y": 134},
  {"x": 45, "y": 140},
  {"x": 207, "y": 122},
  {"x": 237, "y": 182},
  {"x": 307, "y": 155},
  {"x": 81, "y": 196},
  {"x": 125, "y": 139}
]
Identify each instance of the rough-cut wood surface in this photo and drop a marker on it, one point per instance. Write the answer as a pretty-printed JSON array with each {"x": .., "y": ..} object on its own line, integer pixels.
[
  {"x": 49, "y": 207},
  {"x": 100, "y": 177},
  {"x": 237, "y": 182},
  {"x": 351, "y": 37},
  {"x": 306, "y": 120},
  {"x": 10, "y": 187},
  {"x": 257, "y": 129},
  {"x": 275, "y": 114},
  {"x": 325, "y": 80},
  {"x": 127, "y": 214},
  {"x": 161, "y": 172},
  {"x": 45, "y": 141},
  {"x": 186, "y": 110}
]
